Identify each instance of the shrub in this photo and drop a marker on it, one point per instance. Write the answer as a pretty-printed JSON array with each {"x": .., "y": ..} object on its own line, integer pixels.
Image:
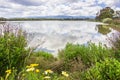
[
  {"x": 103, "y": 29},
  {"x": 104, "y": 70},
  {"x": 12, "y": 49},
  {"x": 107, "y": 20},
  {"x": 89, "y": 54}
]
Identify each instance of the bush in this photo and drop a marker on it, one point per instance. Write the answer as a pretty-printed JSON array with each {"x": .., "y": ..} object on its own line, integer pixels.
[
  {"x": 107, "y": 20},
  {"x": 104, "y": 70},
  {"x": 89, "y": 54},
  {"x": 12, "y": 49},
  {"x": 103, "y": 29}
]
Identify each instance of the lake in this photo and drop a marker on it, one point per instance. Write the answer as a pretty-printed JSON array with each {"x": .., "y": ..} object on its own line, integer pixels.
[{"x": 52, "y": 36}]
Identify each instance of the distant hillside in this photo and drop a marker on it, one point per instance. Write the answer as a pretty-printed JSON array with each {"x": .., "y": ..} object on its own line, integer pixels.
[{"x": 59, "y": 17}]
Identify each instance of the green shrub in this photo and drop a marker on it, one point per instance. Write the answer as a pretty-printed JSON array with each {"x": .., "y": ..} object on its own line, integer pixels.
[
  {"x": 104, "y": 70},
  {"x": 89, "y": 54},
  {"x": 107, "y": 20},
  {"x": 104, "y": 29},
  {"x": 12, "y": 50}
]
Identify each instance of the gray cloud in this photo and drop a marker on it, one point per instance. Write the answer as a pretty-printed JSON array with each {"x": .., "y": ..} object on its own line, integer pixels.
[{"x": 26, "y": 2}]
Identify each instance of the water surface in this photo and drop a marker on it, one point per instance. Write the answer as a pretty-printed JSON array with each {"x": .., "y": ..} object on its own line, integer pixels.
[{"x": 54, "y": 35}]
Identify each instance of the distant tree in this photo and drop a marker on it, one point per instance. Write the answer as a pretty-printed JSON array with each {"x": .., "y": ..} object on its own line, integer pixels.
[
  {"x": 117, "y": 14},
  {"x": 2, "y": 19},
  {"x": 106, "y": 12}
]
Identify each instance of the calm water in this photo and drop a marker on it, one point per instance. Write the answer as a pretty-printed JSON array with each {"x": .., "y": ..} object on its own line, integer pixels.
[{"x": 53, "y": 35}]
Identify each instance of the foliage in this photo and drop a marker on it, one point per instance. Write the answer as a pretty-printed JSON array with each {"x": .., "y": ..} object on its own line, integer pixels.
[
  {"x": 44, "y": 54},
  {"x": 106, "y": 12},
  {"x": 45, "y": 59},
  {"x": 2, "y": 19},
  {"x": 89, "y": 54},
  {"x": 117, "y": 14},
  {"x": 12, "y": 49},
  {"x": 116, "y": 22},
  {"x": 107, "y": 20},
  {"x": 103, "y": 29},
  {"x": 104, "y": 70}
]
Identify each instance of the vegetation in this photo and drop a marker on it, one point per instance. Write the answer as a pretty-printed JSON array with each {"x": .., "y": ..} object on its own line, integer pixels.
[
  {"x": 103, "y": 29},
  {"x": 107, "y": 20},
  {"x": 39, "y": 19},
  {"x": 12, "y": 49},
  {"x": 2, "y": 19},
  {"x": 110, "y": 17},
  {"x": 106, "y": 12},
  {"x": 104, "y": 70},
  {"x": 89, "y": 54}
]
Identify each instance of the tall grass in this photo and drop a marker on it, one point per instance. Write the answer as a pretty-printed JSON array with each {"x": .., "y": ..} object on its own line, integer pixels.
[{"x": 12, "y": 48}]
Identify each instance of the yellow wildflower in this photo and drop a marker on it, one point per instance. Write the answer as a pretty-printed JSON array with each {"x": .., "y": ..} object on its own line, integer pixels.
[
  {"x": 37, "y": 70},
  {"x": 30, "y": 69},
  {"x": 8, "y": 71},
  {"x": 47, "y": 77},
  {"x": 48, "y": 71},
  {"x": 65, "y": 74},
  {"x": 34, "y": 65}
]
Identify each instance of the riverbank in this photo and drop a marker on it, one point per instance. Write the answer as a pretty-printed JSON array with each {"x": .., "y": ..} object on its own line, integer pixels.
[{"x": 74, "y": 62}]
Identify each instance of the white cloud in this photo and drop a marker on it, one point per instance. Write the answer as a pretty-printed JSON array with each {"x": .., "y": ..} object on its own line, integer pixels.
[{"x": 24, "y": 8}]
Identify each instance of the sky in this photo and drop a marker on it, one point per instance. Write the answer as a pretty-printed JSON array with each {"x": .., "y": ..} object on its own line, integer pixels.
[{"x": 31, "y": 8}]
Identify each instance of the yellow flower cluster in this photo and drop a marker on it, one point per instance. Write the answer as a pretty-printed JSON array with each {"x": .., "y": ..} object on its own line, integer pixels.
[
  {"x": 32, "y": 68},
  {"x": 47, "y": 74}
]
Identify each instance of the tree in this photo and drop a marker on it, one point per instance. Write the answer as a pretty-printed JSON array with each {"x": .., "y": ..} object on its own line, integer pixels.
[
  {"x": 106, "y": 12},
  {"x": 2, "y": 19},
  {"x": 117, "y": 14}
]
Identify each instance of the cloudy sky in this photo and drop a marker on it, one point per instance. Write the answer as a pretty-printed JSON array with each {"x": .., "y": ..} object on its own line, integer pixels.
[{"x": 27, "y": 8}]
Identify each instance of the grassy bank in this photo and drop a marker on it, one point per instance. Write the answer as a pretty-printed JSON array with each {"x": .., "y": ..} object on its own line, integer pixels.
[{"x": 74, "y": 62}]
